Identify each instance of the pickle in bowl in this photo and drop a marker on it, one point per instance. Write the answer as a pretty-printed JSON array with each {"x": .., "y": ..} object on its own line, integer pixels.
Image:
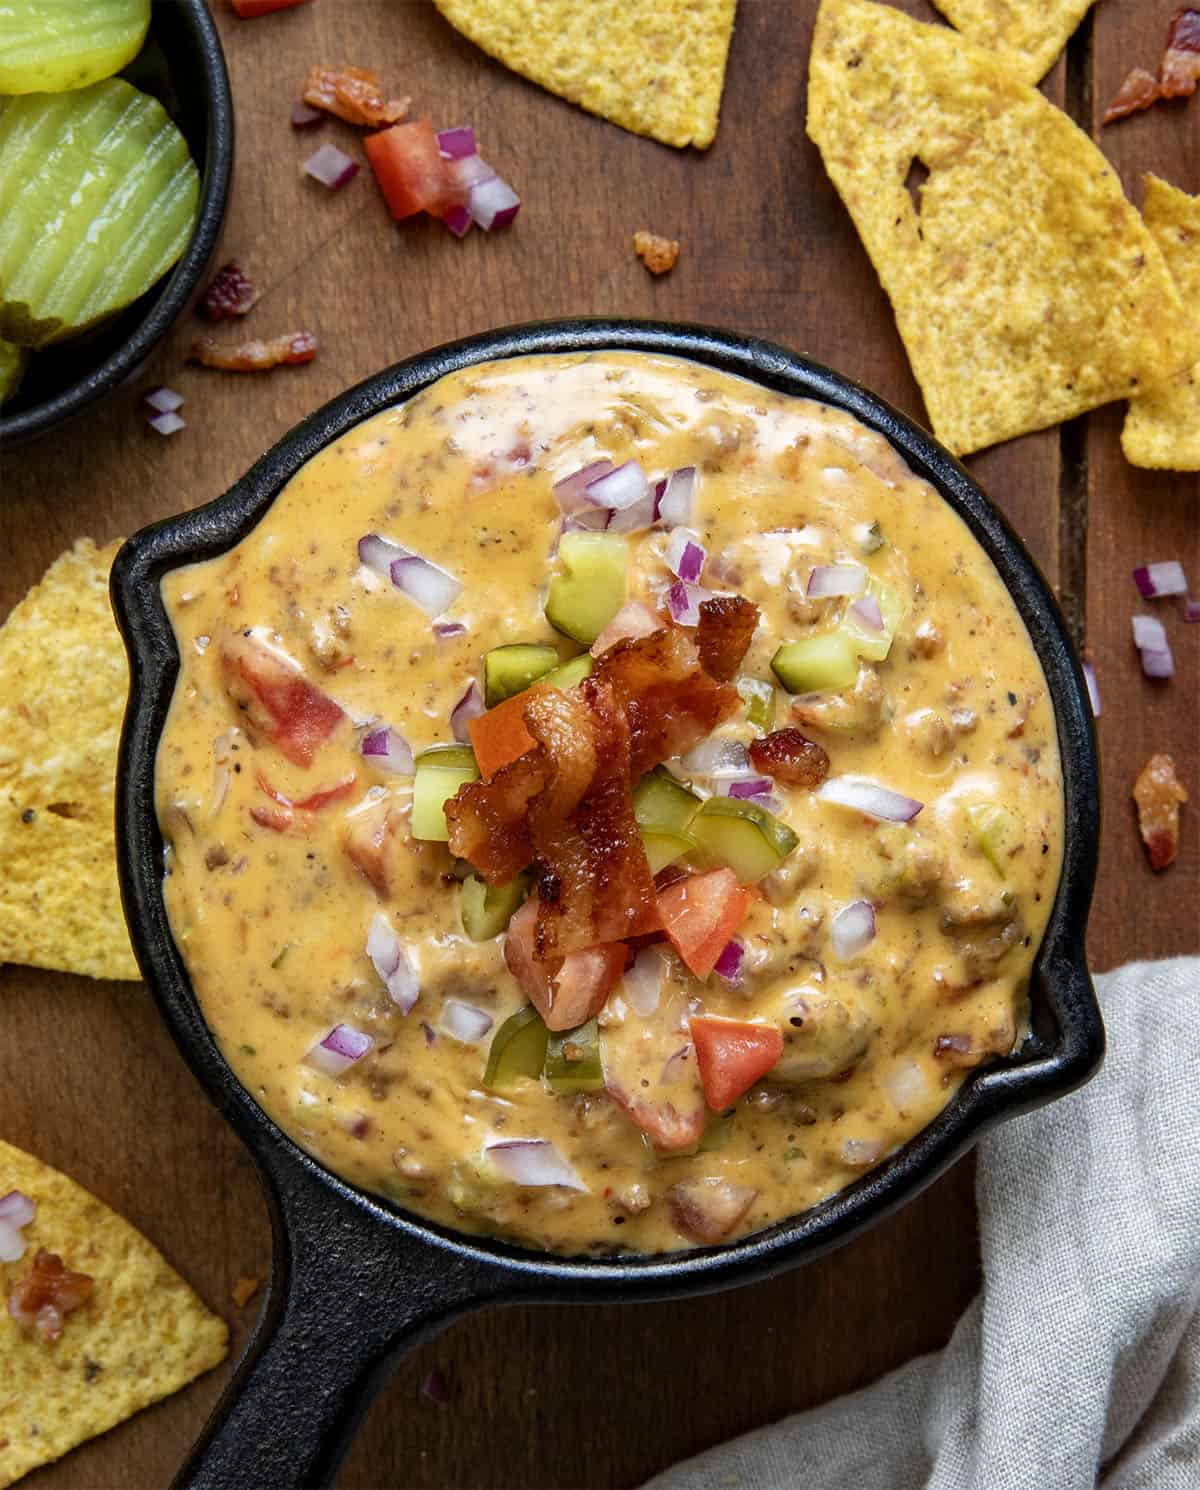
[{"x": 50, "y": 46}]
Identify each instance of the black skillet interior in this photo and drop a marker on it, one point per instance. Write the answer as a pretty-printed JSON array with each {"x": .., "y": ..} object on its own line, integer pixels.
[
  {"x": 183, "y": 66},
  {"x": 357, "y": 1280}
]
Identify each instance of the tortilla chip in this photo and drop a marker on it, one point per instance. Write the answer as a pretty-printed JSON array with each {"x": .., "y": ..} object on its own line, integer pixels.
[
  {"x": 141, "y": 1336},
  {"x": 655, "y": 67},
  {"x": 1026, "y": 288},
  {"x": 63, "y": 684},
  {"x": 1027, "y": 34},
  {"x": 1162, "y": 427}
]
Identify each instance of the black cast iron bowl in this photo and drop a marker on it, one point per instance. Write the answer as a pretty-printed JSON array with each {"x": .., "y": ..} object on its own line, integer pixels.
[
  {"x": 356, "y": 1281},
  {"x": 183, "y": 66}
]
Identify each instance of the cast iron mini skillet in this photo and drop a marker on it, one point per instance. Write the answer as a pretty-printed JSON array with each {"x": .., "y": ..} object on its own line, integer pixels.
[{"x": 357, "y": 1281}]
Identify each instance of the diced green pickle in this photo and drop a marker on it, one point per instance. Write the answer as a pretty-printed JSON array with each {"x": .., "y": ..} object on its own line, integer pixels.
[
  {"x": 487, "y": 909},
  {"x": 665, "y": 848},
  {"x": 12, "y": 365},
  {"x": 871, "y": 644},
  {"x": 511, "y": 669},
  {"x": 98, "y": 199},
  {"x": 518, "y": 1051},
  {"x": 441, "y": 770},
  {"x": 589, "y": 588},
  {"x": 48, "y": 46},
  {"x": 572, "y": 673},
  {"x": 760, "y": 702},
  {"x": 747, "y": 838},
  {"x": 662, "y": 804},
  {"x": 718, "y": 1131},
  {"x": 573, "y": 1060},
  {"x": 998, "y": 831},
  {"x": 817, "y": 664}
]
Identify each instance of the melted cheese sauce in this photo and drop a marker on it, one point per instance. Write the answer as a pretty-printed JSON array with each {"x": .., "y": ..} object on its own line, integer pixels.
[{"x": 273, "y": 925}]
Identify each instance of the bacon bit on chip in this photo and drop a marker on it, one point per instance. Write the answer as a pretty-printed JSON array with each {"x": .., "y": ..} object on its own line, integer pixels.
[
  {"x": 230, "y": 294},
  {"x": 657, "y": 253},
  {"x": 1159, "y": 794},
  {"x": 790, "y": 757},
  {"x": 244, "y": 1290},
  {"x": 727, "y": 624},
  {"x": 1138, "y": 91},
  {"x": 353, "y": 94},
  {"x": 41, "y": 1302},
  {"x": 289, "y": 350},
  {"x": 1179, "y": 71}
]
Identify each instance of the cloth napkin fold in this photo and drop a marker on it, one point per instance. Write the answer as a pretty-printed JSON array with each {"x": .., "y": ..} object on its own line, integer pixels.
[{"x": 1078, "y": 1365}]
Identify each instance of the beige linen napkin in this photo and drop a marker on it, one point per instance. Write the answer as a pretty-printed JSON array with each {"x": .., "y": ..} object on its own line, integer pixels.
[{"x": 1079, "y": 1363}]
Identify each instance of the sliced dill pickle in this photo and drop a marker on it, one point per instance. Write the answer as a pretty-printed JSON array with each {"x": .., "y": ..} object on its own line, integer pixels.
[
  {"x": 511, "y": 669},
  {"x": 665, "y": 848},
  {"x": 662, "y": 804},
  {"x": 49, "y": 46},
  {"x": 12, "y": 365},
  {"x": 573, "y": 1060},
  {"x": 441, "y": 770},
  {"x": 518, "y": 1051},
  {"x": 746, "y": 837},
  {"x": 998, "y": 831},
  {"x": 487, "y": 909},
  {"x": 98, "y": 198}
]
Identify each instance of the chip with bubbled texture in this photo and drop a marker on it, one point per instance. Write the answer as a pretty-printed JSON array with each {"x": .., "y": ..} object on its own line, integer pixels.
[
  {"x": 1026, "y": 287},
  {"x": 1027, "y": 34}
]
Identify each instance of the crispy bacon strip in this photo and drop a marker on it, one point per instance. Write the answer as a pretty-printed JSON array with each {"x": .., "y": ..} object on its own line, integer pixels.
[
  {"x": 288, "y": 350},
  {"x": 1159, "y": 793},
  {"x": 1179, "y": 71},
  {"x": 727, "y": 624},
  {"x": 790, "y": 757},
  {"x": 595, "y": 885},
  {"x": 488, "y": 820},
  {"x": 670, "y": 702},
  {"x": 354, "y": 94},
  {"x": 41, "y": 1302},
  {"x": 1138, "y": 90}
]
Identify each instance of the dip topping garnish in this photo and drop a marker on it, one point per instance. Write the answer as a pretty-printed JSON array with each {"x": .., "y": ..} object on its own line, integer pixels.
[{"x": 41, "y": 1301}]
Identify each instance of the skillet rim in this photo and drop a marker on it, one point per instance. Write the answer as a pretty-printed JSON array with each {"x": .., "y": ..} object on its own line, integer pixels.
[{"x": 1049, "y": 1064}]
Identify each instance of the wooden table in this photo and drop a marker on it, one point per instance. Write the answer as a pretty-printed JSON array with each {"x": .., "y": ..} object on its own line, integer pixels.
[{"x": 88, "y": 1077}]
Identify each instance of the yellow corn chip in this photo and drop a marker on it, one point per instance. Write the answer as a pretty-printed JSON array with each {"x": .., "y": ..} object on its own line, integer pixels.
[
  {"x": 1162, "y": 427},
  {"x": 655, "y": 67},
  {"x": 1025, "y": 286},
  {"x": 142, "y": 1335},
  {"x": 63, "y": 684},
  {"x": 1027, "y": 34}
]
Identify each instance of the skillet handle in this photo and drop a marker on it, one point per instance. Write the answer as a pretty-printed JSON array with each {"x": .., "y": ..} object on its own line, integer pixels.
[{"x": 349, "y": 1295}]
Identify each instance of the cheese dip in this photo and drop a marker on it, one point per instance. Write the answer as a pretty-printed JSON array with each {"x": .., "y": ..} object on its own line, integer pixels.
[{"x": 607, "y": 804}]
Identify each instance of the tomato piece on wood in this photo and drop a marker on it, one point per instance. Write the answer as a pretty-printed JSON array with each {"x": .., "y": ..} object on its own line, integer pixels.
[
  {"x": 566, "y": 992},
  {"x": 701, "y": 913},
  {"x": 732, "y": 1055},
  {"x": 248, "y": 9},
  {"x": 410, "y": 170},
  {"x": 499, "y": 737},
  {"x": 278, "y": 699}
]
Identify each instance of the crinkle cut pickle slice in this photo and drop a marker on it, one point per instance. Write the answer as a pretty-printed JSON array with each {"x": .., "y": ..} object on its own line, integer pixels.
[{"x": 48, "y": 46}]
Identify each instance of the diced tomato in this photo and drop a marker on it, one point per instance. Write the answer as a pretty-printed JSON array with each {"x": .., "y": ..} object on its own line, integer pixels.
[
  {"x": 248, "y": 9},
  {"x": 410, "y": 170},
  {"x": 499, "y": 737},
  {"x": 277, "y": 697},
  {"x": 701, "y": 913},
  {"x": 732, "y": 1054},
  {"x": 315, "y": 800},
  {"x": 278, "y": 819},
  {"x": 366, "y": 835},
  {"x": 565, "y": 992},
  {"x": 667, "y": 1128}
]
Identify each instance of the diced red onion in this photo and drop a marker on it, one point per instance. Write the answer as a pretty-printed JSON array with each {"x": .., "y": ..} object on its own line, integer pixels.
[
  {"x": 674, "y": 1064},
  {"x": 380, "y": 554},
  {"x": 828, "y": 580},
  {"x": 391, "y": 963},
  {"x": 590, "y": 520},
  {"x": 685, "y": 555},
  {"x": 1191, "y": 609},
  {"x": 729, "y": 964},
  {"x": 304, "y": 116},
  {"x": 432, "y": 588},
  {"x": 166, "y": 424},
  {"x": 623, "y": 487},
  {"x": 339, "y": 1050},
  {"x": 675, "y": 504},
  {"x": 684, "y": 602},
  {"x": 464, "y": 1022},
  {"x": 16, "y": 1209},
  {"x": 633, "y": 519},
  {"x": 752, "y": 786},
  {"x": 388, "y": 750},
  {"x": 163, "y": 400},
  {"x": 435, "y": 1388},
  {"x": 12, "y": 1243},
  {"x": 444, "y": 630},
  {"x": 470, "y": 171},
  {"x": 532, "y": 1161},
  {"x": 1093, "y": 688},
  {"x": 853, "y": 928},
  {"x": 1157, "y": 663},
  {"x": 717, "y": 758},
  {"x": 643, "y": 981},
  {"x": 866, "y": 611},
  {"x": 633, "y": 620},
  {"x": 458, "y": 219},
  {"x": 457, "y": 143},
  {"x": 1149, "y": 633},
  {"x": 494, "y": 204},
  {"x": 469, "y": 707},
  {"x": 906, "y": 1084},
  {"x": 331, "y": 167},
  {"x": 1156, "y": 580},
  {"x": 569, "y": 492},
  {"x": 862, "y": 794},
  {"x": 428, "y": 1031}
]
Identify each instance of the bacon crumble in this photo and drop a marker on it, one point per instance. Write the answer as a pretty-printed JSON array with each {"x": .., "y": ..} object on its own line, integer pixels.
[
  {"x": 790, "y": 757},
  {"x": 656, "y": 252},
  {"x": 1178, "y": 72},
  {"x": 40, "y": 1302},
  {"x": 289, "y": 350},
  {"x": 727, "y": 625},
  {"x": 354, "y": 94},
  {"x": 230, "y": 294},
  {"x": 1159, "y": 794},
  {"x": 1139, "y": 89}
]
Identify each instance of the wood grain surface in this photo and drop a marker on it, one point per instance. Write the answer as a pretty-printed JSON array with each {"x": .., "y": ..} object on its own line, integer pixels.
[{"x": 89, "y": 1080}]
